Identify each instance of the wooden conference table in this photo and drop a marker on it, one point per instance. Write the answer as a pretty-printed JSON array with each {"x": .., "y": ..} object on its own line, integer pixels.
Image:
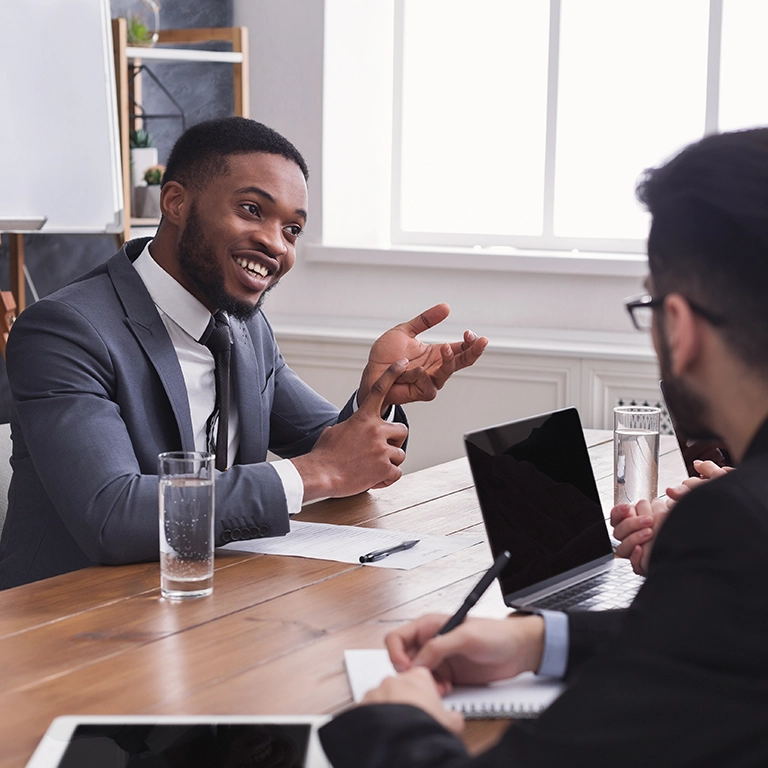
[{"x": 270, "y": 639}]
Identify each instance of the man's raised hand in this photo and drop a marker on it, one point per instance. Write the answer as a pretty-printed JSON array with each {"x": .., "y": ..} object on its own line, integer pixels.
[{"x": 429, "y": 365}]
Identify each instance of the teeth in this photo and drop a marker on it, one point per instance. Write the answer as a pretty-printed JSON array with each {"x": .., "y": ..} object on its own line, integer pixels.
[{"x": 252, "y": 266}]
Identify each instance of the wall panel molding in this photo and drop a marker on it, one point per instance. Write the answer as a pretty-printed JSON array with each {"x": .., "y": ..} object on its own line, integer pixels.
[{"x": 606, "y": 383}]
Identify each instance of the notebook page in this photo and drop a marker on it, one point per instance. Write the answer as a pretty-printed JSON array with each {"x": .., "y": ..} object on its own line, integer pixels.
[{"x": 521, "y": 697}]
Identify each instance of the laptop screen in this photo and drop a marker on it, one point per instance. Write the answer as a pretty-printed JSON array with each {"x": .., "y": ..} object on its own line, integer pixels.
[{"x": 538, "y": 496}]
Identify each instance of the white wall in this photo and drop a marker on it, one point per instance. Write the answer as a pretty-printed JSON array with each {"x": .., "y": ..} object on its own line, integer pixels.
[{"x": 559, "y": 333}]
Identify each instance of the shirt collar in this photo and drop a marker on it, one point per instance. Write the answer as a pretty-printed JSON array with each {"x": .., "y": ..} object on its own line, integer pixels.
[{"x": 172, "y": 298}]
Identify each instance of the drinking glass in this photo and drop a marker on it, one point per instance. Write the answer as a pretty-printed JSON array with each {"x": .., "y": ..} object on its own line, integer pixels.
[
  {"x": 185, "y": 491},
  {"x": 635, "y": 453}
]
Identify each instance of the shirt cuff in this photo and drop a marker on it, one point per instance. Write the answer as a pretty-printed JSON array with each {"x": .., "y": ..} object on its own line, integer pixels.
[
  {"x": 390, "y": 417},
  {"x": 293, "y": 486},
  {"x": 554, "y": 660}
]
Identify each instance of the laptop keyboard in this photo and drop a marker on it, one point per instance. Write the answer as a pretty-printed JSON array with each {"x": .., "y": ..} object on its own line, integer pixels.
[{"x": 615, "y": 588}]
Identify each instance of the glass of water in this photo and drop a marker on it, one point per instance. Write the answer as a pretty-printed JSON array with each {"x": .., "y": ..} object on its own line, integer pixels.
[
  {"x": 185, "y": 490},
  {"x": 635, "y": 453}
]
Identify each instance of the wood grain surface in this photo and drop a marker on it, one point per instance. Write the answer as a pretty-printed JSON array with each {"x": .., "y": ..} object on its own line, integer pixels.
[{"x": 270, "y": 639}]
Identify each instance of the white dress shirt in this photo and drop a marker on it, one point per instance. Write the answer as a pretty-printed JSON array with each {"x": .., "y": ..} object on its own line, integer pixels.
[{"x": 185, "y": 319}]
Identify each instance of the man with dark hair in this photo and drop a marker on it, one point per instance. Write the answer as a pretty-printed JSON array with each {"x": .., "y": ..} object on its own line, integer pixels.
[
  {"x": 119, "y": 366},
  {"x": 680, "y": 677},
  {"x": 199, "y": 154}
]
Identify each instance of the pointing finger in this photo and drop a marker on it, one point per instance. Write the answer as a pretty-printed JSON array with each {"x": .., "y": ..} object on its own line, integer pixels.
[{"x": 374, "y": 400}]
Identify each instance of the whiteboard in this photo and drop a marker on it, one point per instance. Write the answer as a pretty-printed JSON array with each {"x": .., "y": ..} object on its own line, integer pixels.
[{"x": 59, "y": 137}]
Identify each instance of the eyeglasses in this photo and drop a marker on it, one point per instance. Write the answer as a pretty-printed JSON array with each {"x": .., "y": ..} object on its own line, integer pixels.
[{"x": 641, "y": 308}]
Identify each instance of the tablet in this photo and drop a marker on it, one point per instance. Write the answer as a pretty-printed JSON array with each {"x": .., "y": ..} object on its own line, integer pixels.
[{"x": 224, "y": 741}]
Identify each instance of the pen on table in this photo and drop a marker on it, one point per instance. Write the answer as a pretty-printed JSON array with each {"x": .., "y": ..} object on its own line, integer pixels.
[
  {"x": 476, "y": 593},
  {"x": 380, "y": 554}
]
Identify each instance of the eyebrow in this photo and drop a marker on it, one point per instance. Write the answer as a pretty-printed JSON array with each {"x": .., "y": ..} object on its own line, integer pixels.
[{"x": 263, "y": 193}]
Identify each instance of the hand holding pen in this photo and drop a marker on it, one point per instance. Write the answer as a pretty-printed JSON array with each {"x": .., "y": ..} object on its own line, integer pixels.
[{"x": 480, "y": 652}]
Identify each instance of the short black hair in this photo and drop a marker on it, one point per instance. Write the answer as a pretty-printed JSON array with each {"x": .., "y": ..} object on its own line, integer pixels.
[
  {"x": 709, "y": 234},
  {"x": 200, "y": 153}
]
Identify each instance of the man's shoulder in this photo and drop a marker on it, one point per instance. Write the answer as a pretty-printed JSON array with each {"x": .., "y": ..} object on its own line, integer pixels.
[
  {"x": 96, "y": 290},
  {"x": 85, "y": 285}
]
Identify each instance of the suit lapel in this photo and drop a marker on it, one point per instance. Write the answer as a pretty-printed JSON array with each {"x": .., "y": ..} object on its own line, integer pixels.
[{"x": 145, "y": 323}]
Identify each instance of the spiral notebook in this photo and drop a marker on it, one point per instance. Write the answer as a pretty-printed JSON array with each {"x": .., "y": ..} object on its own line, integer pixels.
[{"x": 524, "y": 696}]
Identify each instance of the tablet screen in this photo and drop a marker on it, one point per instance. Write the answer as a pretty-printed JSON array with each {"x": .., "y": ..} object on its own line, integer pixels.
[
  {"x": 109, "y": 741},
  {"x": 154, "y": 746}
]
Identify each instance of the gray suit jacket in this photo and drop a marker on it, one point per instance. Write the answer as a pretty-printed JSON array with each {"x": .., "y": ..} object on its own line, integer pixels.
[{"x": 97, "y": 393}]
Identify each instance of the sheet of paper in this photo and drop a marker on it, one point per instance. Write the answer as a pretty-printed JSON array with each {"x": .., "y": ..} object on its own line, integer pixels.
[
  {"x": 523, "y": 696},
  {"x": 345, "y": 544}
]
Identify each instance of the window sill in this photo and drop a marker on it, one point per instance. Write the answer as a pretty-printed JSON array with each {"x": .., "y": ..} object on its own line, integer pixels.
[{"x": 491, "y": 259}]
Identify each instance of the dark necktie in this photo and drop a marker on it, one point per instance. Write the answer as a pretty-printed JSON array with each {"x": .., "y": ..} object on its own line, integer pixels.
[{"x": 218, "y": 338}]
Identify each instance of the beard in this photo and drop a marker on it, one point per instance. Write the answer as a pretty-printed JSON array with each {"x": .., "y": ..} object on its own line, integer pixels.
[
  {"x": 198, "y": 261},
  {"x": 690, "y": 409}
]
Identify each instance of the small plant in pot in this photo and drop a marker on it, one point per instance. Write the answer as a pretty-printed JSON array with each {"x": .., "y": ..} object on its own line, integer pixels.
[
  {"x": 148, "y": 197},
  {"x": 154, "y": 175},
  {"x": 143, "y": 156},
  {"x": 140, "y": 139},
  {"x": 138, "y": 31}
]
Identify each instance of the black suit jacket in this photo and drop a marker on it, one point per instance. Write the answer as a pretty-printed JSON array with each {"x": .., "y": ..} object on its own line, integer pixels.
[{"x": 680, "y": 678}]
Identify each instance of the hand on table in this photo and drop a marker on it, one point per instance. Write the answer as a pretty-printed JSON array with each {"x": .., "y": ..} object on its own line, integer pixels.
[
  {"x": 360, "y": 453},
  {"x": 637, "y": 525},
  {"x": 429, "y": 365}
]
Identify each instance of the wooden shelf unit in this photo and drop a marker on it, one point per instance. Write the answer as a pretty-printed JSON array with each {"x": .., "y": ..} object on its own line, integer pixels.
[{"x": 128, "y": 60}]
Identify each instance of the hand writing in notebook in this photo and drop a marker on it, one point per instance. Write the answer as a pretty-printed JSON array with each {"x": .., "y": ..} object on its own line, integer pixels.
[{"x": 476, "y": 652}]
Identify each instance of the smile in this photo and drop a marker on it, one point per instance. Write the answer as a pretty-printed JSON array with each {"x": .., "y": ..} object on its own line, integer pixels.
[{"x": 252, "y": 266}]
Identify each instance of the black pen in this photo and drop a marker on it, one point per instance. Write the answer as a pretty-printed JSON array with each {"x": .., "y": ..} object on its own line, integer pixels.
[
  {"x": 476, "y": 593},
  {"x": 380, "y": 554}
]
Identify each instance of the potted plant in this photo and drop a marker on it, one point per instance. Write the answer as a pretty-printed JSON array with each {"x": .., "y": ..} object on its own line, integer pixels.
[
  {"x": 148, "y": 197},
  {"x": 138, "y": 32},
  {"x": 143, "y": 156}
]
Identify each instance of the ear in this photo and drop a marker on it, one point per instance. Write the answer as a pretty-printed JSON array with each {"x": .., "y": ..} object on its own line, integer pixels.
[
  {"x": 682, "y": 330},
  {"x": 174, "y": 202}
]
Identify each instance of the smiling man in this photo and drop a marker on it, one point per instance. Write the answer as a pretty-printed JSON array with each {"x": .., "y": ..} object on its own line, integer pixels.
[{"x": 115, "y": 368}]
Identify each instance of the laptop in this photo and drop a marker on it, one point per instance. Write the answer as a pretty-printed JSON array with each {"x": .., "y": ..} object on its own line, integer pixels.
[{"x": 539, "y": 501}]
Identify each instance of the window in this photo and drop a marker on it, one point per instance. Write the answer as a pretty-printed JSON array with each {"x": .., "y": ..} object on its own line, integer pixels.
[{"x": 526, "y": 123}]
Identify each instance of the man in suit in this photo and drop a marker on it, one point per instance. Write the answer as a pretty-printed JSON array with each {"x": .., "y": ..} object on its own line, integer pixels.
[
  {"x": 112, "y": 370},
  {"x": 681, "y": 677}
]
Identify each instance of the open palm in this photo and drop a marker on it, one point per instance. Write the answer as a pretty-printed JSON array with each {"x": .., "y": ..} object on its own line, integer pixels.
[{"x": 429, "y": 365}]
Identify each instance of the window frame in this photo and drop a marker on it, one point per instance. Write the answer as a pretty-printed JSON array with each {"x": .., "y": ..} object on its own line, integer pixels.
[{"x": 547, "y": 241}]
